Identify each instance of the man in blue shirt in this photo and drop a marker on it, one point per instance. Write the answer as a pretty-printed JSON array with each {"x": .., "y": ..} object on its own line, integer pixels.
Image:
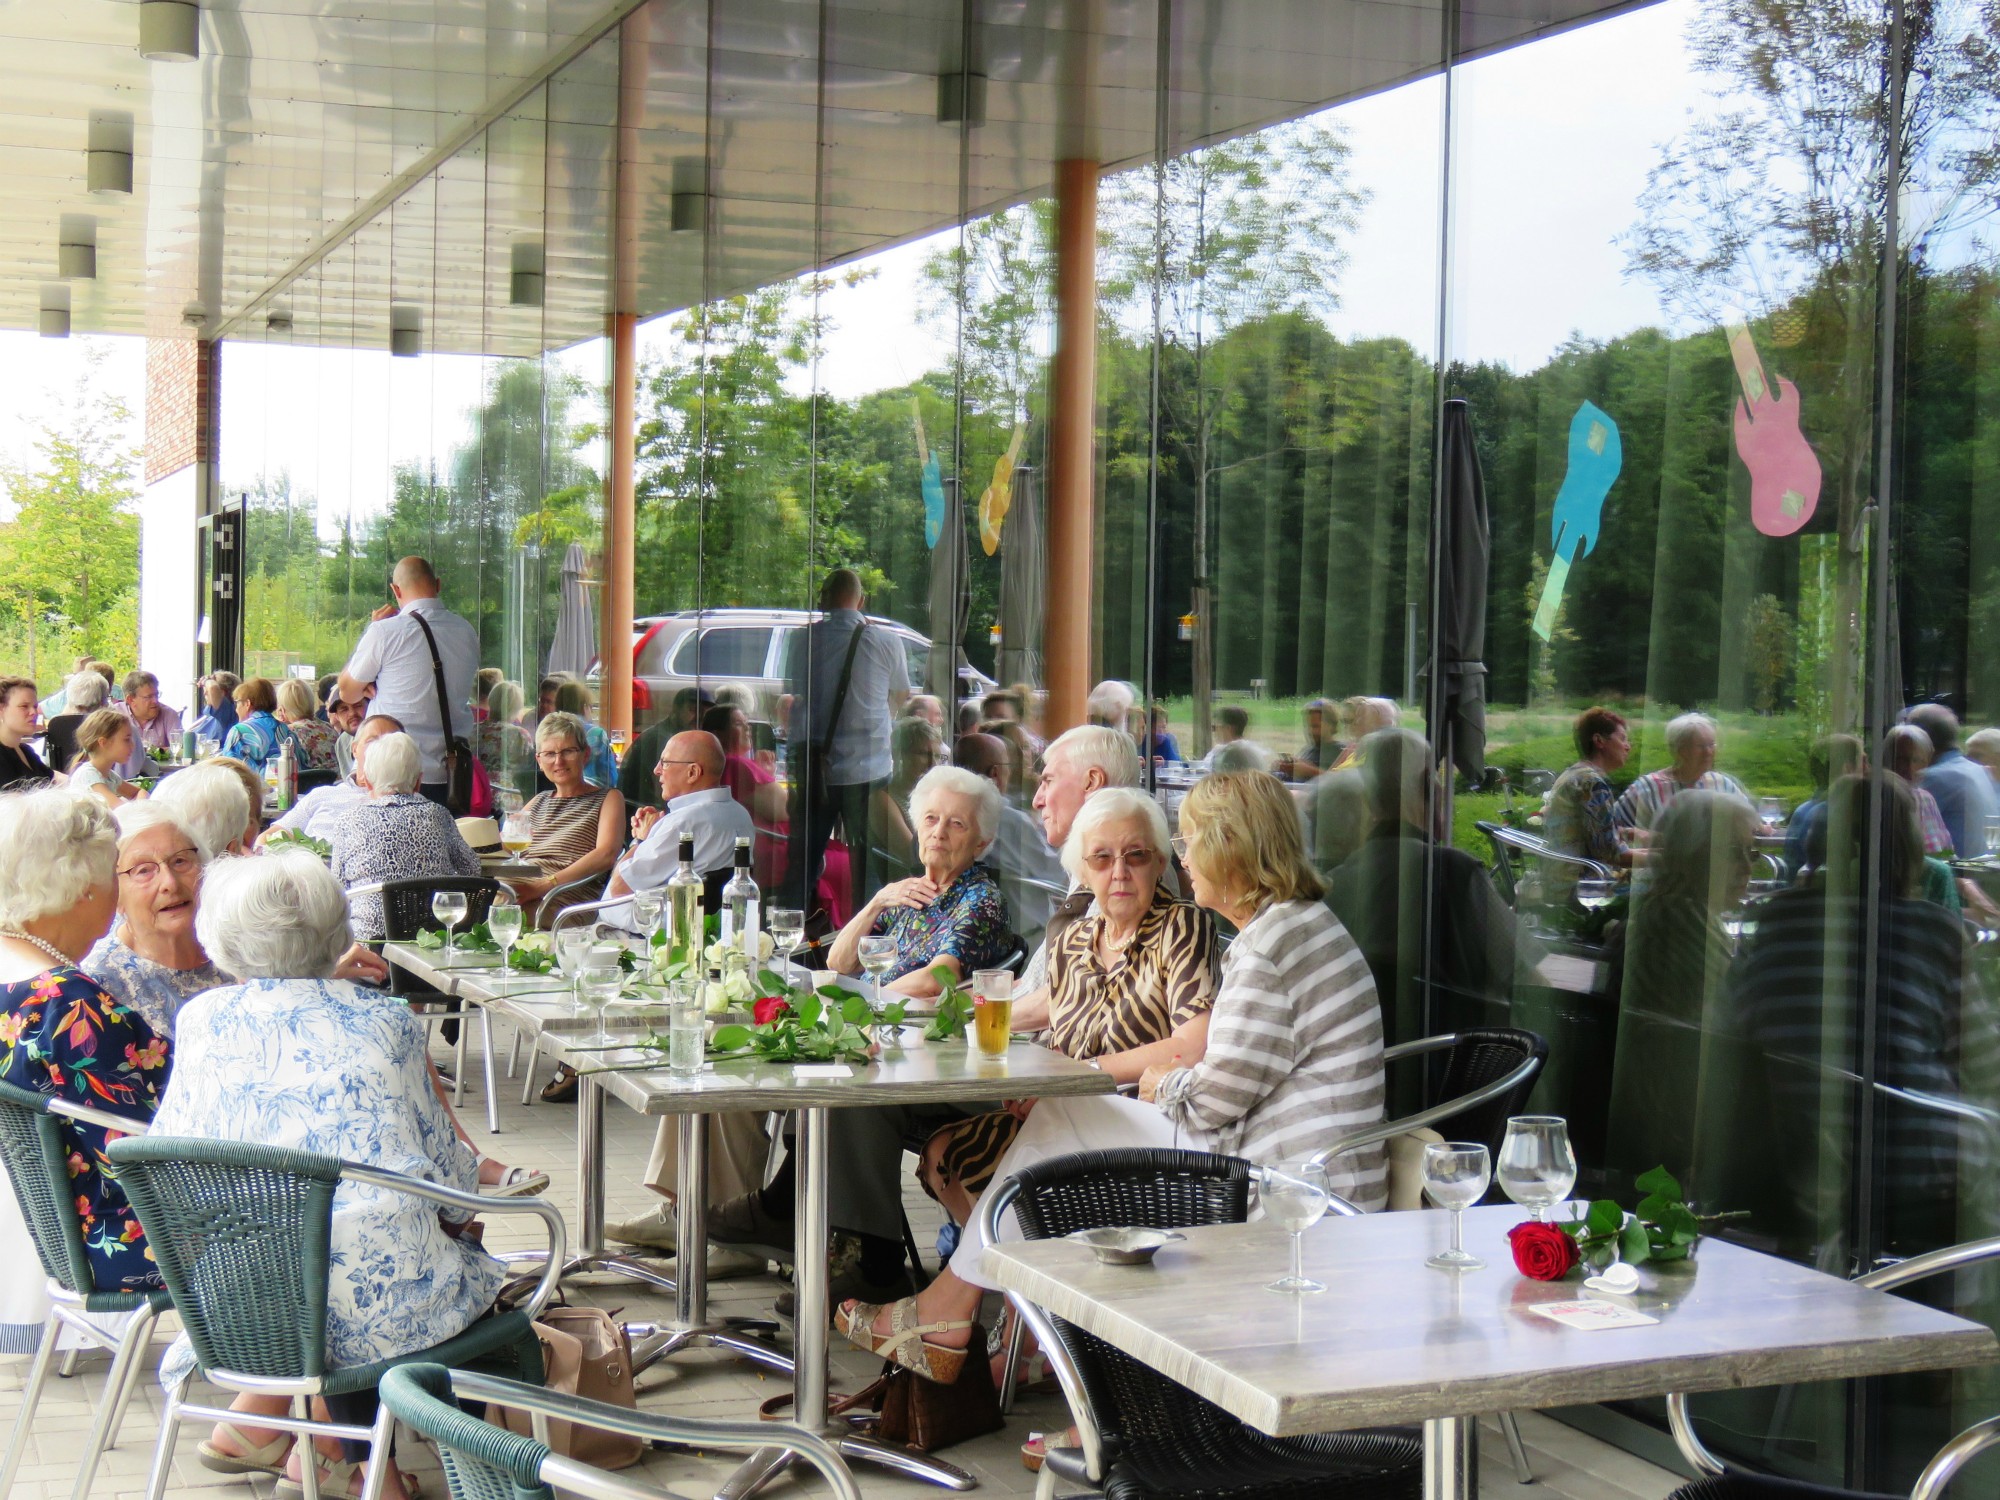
[{"x": 1961, "y": 787}]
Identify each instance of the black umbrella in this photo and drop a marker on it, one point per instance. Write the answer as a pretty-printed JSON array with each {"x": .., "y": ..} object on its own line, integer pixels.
[{"x": 1461, "y": 553}]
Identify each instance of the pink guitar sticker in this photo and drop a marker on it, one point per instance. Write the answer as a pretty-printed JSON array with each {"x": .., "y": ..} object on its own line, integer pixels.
[{"x": 1784, "y": 470}]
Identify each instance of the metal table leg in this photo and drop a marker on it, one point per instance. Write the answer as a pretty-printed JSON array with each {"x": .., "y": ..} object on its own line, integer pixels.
[
  {"x": 1451, "y": 1458},
  {"x": 591, "y": 1254},
  {"x": 810, "y": 1340}
]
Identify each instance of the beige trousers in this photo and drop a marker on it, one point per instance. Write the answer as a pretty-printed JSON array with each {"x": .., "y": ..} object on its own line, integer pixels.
[{"x": 737, "y": 1152}]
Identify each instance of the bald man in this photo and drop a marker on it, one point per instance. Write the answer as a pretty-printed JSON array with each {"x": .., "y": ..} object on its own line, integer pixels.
[
  {"x": 690, "y": 775},
  {"x": 394, "y": 654}
]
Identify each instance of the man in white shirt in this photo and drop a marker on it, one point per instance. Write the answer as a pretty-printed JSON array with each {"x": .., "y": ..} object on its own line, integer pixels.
[
  {"x": 394, "y": 656},
  {"x": 318, "y": 810},
  {"x": 690, "y": 773},
  {"x": 1020, "y": 853}
]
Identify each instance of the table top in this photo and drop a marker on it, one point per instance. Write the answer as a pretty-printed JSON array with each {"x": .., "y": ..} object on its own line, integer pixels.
[{"x": 1392, "y": 1341}]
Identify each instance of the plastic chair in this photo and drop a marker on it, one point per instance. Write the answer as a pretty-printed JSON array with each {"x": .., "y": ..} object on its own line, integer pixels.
[
  {"x": 1143, "y": 1435},
  {"x": 485, "y": 1462},
  {"x": 1720, "y": 1482},
  {"x": 33, "y": 1145},
  {"x": 241, "y": 1233},
  {"x": 312, "y": 781}
]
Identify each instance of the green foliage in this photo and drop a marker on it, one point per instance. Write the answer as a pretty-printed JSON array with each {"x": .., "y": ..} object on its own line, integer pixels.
[
  {"x": 1662, "y": 1228},
  {"x": 954, "y": 1008}
]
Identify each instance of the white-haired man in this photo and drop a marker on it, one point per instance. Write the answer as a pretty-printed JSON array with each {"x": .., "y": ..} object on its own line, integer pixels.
[
  {"x": 316, "y": 813},
  {"x": 1691, "y": 741}
]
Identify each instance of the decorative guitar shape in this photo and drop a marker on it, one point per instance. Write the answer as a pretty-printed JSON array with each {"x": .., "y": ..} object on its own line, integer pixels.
[
  {"x": 1784, "y": 470},
  {"x": 999, "y": 495},
  {"x": 933, "y": 481},
  {"x": 1596, "y": 454}
]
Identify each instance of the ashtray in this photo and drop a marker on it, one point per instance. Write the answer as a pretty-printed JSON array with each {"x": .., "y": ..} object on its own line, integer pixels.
[{"x": 1125, "y": 1247}]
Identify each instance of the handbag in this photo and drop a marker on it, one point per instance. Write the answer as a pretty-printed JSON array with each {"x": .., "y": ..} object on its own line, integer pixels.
[
  {"x": 586, "y": 1353},
  {"x": 463, "y": 771},
  {"x": 920, "y": 1414}
]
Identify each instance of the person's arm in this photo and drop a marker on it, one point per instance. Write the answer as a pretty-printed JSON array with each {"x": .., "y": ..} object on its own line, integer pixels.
[
  {"x": 1031, "y": 1011},
  {"x": 610, "y": 844},
  {"x": 1183, "y": 1048},
  {"x": 769, "y": 803},
  {"x": 294, "y": 818},
  {"x": 922, "y": 984},
  {"x": 364, "y": 666},
  {"x": 1251, "y": 1050},
  {"x": 844, "y": 956},
  {"x": 652, "y": 857}
]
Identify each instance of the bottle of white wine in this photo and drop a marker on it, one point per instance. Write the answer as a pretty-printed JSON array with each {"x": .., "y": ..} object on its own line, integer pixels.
[
  {"x": 740, "y": 913},
  {"x": 684, "y": 902}
]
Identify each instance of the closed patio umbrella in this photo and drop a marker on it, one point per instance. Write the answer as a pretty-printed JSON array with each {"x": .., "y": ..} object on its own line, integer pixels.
[
  {"x": 950, "y": 560},
  {"x": 1023, "y": 583},
  {"x": 575, "y": 645},
  {"x": 1461, "y": 541}
]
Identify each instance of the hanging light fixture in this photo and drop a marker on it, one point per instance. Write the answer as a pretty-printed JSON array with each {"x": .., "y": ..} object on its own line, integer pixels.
[
  {"x": 169, "y": 30},
  {"x": 107, "y": 158},
  {"x": 54, "y": 319},
  {"x": 527, "y": 269},
  {"x": 278, "y": 324},
  {"x": 962, "y": 98},
  {"x": 76, "y": 248},
  {"x": 406, "y": 330}
]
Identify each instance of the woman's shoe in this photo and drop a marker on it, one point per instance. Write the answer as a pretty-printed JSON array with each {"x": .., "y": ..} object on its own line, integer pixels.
[
  {"x": 514, "y": 1182},
  {"x": 251, "y": 1459},
  {"x": 561, "y": 1089},
  {"x": 904, "y": 1344},
  {"x": 341, "y": 1480},
  {"x": 1035, "y": 1452}
]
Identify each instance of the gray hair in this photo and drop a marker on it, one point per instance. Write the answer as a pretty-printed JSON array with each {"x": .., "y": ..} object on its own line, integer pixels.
[
  {"x": 1109, "y": 702},
  {"x": 1984, "y": 746},
  {"x": 1683, "y": 729},
  {"x": 1110, "y": 806},
  {"x": 84, "y": 692},
  {"x": 558, "y": 722},
  {"x": 275, "y": 916},
  {"x": 135, "y": 818},
  {"x": 1098, "y": 746},
  {"x": 395, "y": 764},
  {"x": 1239, "y": 755},
  {"x": 55, "y": 849},
  {"x": 955, "y": 781},
  {"x": 211, "y": 803}
]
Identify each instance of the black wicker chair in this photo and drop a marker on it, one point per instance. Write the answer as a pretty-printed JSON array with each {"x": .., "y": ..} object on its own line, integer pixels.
[
  {"x": 1145, "y": 1437},
  {"x": 406, "y": 911}
]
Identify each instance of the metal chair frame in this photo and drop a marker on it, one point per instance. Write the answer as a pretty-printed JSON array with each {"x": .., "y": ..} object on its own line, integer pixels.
[
  {"x": 70, "y": 1309},
  {"x": 1528, "y": 1069},
  {"x": 302, "y": 1389},
  {"x": 1948, "y": 1460},
  {"x": 1508, "y": 842},
  {"x": 405, "y": 1396}
]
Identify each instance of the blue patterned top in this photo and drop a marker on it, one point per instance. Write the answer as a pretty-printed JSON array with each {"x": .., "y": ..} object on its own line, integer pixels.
[
  {"x": 968, "y": 923},
  {"x": 258, "y": 739},
  {"x": 331, "y": 1067},
  {"x": 405, "y": 836},
  {"x": 155, "y": 991}
]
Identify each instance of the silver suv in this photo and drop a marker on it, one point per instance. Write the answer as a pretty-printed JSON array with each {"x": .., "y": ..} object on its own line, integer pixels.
[{"x": 706, "y": 648}]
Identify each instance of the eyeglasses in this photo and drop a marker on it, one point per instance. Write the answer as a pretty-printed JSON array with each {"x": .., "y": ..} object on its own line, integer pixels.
[
  {"x": 1180, "y": 846},
  {"x": 181, "y": 862},
  {"x": 1101, "y": 860},
  {"x": 670, "y": 761},
  {"x": 562, "y": 754}
]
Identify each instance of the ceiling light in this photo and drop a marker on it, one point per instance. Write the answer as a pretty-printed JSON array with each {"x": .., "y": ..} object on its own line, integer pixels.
[
  {"x": 76, "y": 248},
  {"x": 54, "y": 320},
  {"x": 278, "y": 324},
  {"x": 192, "y": 316},
  {"x": 689, "y": 211},
  {"x": 962, "y": 99},
  {"x": 169, "y": 30},
  {"x": 108, "y": 157},
  {"x": 526, "y": 273},
  {"x": 406, "y": 330}
]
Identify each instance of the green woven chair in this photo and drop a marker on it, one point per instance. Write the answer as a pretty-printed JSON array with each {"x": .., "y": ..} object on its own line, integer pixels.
[
  {"x": 37, "y": 1156},
  {"x": 484, "y": 1462},
  {"x": 241, "y": 1233}
]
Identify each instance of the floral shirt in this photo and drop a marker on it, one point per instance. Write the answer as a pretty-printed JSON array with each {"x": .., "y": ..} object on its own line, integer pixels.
[
  {"x": 968, "y": 922},
  {"x": 1579, "y": 814},
  {"x": 63, "y": 1035},
  {"x": 315, "y": 739},
  {"x": 401, "y": 837},
  {"x": 155, "y": 991}
]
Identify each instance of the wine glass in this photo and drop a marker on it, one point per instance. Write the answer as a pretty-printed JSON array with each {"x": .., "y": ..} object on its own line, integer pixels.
[
  {"x": 1537, "y": 1165},
  {"x": 1455, "y": 1177},
  {"x": 1295, "y": 1195},
  {"x": 1993, "y": 838},
  {"x": 1593, "y": 895},
  {"x": 878, "y": 957},
  {"x": 1770, "y": 809},
  {"x": 503, "y": 920},
  {"x": 601, "y": 983},
  {"x": 449, "y": 907},
  {"x": 572, "y": 943},
  {"x": 516, "y": 834},
  {"x": 649, "y": 908},
  {"x": 788, "y": 930}
]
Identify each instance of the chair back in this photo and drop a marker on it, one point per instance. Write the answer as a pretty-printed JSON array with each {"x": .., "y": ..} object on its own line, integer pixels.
[
  {"x": 406, "y": 904},
  {"x": 1481, "y": 1057},
  {"x": 240, "y": 1233},
  {"x": 312, "y": 781},
  {"x": 481, "y": 1461},
  {"x": 32, "y": 1145}
]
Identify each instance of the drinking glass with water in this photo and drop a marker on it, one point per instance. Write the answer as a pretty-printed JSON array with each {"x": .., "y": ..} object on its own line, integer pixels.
[
  {"x": 1537, "y": 1165},
  {"x": 1295, "y": 1196},
  {"x": 1456, "y": 1176}
]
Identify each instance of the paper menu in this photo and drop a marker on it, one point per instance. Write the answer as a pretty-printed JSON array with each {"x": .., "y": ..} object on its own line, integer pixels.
[{"x": 1589, "y": 1313}]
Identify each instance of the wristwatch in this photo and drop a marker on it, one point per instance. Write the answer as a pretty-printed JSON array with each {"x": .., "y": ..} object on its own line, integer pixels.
[{"x": 1093, "y": 1063}]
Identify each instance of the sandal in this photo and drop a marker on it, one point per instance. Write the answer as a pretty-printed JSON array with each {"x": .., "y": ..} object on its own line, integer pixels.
[
  {"x": 514, "y": 1182},
  {"x": 1035, "y": 1451},
  {"x": 561, "y": 1089},
  {"x": 269, "y": 1459},
  {"x": 905, "y": 1343},
  {"x": 337, "y": 1482}
]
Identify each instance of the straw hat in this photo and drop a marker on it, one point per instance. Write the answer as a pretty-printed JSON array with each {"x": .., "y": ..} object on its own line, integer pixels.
[{"x": 482, "y": 833}]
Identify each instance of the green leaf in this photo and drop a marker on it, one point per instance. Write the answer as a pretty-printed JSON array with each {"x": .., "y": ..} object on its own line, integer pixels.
[
  {"x": 854, "y": 1010},
  {"x": 1659, "y": 1183},
  {"x": 1604, "y": 1217},
  {"x": 810, "y": 1009},
  {"x": 833, "y": 992},
  {"x": 892, "y": 1013},
  {"x": 1634, "y": 1245},
  {"x": 730, "y": 1039},
  {"x": 771, "y": 984}
]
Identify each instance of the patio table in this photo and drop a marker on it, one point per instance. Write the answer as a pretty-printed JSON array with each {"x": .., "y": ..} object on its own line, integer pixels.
[{"x": 1391, "y": 1341}]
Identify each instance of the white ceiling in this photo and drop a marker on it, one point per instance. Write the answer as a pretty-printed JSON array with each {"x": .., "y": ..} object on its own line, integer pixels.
[{"x": 304, "y": 117}]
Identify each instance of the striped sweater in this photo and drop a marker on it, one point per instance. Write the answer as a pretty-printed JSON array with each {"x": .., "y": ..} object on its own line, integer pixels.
[{"x": 1294, "y": 1057}]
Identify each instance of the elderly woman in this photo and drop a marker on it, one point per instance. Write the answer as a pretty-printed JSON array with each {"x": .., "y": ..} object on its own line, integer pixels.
[
  {"x": 257, "y": 737},
  {"x": 151, "y": 960},
  {"x": 217, "y": 804},
  {"x": 83, "y": 695},
  {"x": 313, "y": 737},
  {"x": 952, "y": 915},
  {"x": 1907, "y": 751},
  {"x": 103, "y": 743},
  {"x": 218, "y": 699},
  {"x": 1691, "y": 741},
  {"x": 61, "y": 1033},
  {"x": 291, "y": 1056},
  {"x": 1293, "y": 1062},
  {"x": 397, "y": 834},
  {"x": 579, "y": 700},
  {"x": 579, "y": 829},
  {"x": 1580, "y": 803}
]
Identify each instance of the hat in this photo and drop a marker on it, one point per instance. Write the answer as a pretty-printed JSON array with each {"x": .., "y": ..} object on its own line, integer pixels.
[{"x": 482, "y": 833}]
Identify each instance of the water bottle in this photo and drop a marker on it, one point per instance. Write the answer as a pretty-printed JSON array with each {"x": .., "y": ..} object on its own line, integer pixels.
[{"x": 740, "y": 912}]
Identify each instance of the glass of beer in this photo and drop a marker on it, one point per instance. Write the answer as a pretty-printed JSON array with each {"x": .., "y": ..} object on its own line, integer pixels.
[{"x": 992, "y": 1010}]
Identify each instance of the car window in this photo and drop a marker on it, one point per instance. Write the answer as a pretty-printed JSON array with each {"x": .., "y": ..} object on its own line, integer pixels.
[
  {"x": 723, "y": 651},
  {"x": 652, "y": 658},
  {"x": 919, "y": 656}
]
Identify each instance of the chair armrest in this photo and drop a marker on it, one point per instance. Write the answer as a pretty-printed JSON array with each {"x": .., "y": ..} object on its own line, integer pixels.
[
  {"x": 84, "y": 1114},
  {"x": 583, "y": 907},
  {"x": 1681, "y": 1426},
  {"x": 1375, "y": 1134},
  {"x": 1954, "y": 1456},
  {"x": 477, "y": 1203},
  {"x": 366, "y": 888},
  {"x": 1931, "y": 1263},
  {"x": 558, "y": 891},
  {"x": 653, "y": 1426}
]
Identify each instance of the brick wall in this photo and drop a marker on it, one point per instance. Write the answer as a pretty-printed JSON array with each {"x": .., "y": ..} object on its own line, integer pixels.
[{"x": 180, "y": 384}]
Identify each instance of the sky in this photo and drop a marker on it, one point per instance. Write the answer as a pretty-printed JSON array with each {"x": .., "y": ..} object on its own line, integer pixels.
[{"x": 1554, "y": 142}]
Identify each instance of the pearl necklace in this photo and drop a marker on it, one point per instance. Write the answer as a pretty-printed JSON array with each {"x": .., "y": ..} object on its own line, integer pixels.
[{"x": 34, "y": 942}]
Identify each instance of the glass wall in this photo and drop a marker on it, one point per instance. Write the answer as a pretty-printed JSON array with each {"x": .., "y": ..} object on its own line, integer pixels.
[{"x": 1707, "y": 306}]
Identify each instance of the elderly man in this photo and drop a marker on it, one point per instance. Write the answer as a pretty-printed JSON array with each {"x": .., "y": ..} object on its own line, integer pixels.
[
  {"x": 316, "y": 813},
  {"x": 1691, "y": 741},
  {"x": 1030, "y": 870},
  {"x": 690, "y": 776},
  {"x": 1960, "y": 786},
  {"x": 154, "y": 725},
  {"x": 402, "y": 653}
]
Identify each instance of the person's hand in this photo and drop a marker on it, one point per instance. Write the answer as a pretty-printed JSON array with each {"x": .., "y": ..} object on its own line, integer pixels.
[
  {"x": 918, "y": 891},
  {"x": 1149, "y": 1081},
  {"x": 386, "y": 612},
  {"x": 362, "y": 965},
  {"x": 527, "y": 889},
  {"x": 1018, "y": 1108},
  {"x": 768, "y": 760},
  {"x": 643, "y": 820}
]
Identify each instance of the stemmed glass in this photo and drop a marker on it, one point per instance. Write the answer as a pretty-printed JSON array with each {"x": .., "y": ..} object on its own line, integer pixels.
[
  {"x": 1456, "y": 1174},
  {"x": 572, "y": 943},
  {"x": 1992, "y": 838},
  {"x": 449, "y": 907},
  {"x": 601, "y": 982},
  {"x": 1295, "y": 1195},
  {"x": 1537, "y": 1165},
  {"x": 649, "y": 908},
  {"x": 1592, "y": 895},
  {"x": 516, "y": 834},
  {"x": 503, "y": 920},
  {"x": 1770, "y": 809},
  {"x": 788, "y": 930},
  {"x": 878, "y": 957}
]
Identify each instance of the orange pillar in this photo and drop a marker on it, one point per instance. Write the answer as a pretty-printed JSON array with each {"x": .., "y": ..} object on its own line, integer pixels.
[
  {"x": 1072, "y": 485},
  {"x": 615, "y": 601}
]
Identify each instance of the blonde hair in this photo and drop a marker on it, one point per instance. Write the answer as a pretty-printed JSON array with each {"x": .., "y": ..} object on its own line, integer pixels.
[
  {"x": 97, "y": 728},
  {"x": 295, "y": 697},
  {"x": 1243, "y": 834}
]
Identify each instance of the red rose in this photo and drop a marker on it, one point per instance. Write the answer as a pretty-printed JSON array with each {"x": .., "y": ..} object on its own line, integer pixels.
[
  {"x": 769, "y": 1008},
  {"x": 1542, "y": 1252}
]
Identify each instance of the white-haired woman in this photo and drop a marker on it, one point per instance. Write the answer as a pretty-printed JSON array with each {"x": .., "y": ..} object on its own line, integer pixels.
[
  {"x": 953, "y": 914},
  {"x": 61, "y": 1033},
  {"x": 83, "y": 695},
  {"x": 397, "y": 834},
  {"x": 214, "y": 805},
  {"x": 578, "y": 829},
  {"x": 291, "y": 1056},
  {"x": 1691, "y": 741},
  {"x": 152, "y": 960}
]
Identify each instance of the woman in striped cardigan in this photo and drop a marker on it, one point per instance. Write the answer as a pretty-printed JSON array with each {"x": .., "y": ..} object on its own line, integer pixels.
[{"x": 1292, "y": 1062}]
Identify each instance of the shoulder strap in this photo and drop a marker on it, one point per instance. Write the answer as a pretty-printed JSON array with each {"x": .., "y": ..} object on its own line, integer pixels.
[
  {"x": 825, "y": 746},
  {"x": 437, "y": 673}
]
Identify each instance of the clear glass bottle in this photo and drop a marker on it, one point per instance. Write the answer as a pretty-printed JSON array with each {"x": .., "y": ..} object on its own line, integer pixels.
[
  {"x": 740, "y": 914},
  {"x": 684, "y": 898}
]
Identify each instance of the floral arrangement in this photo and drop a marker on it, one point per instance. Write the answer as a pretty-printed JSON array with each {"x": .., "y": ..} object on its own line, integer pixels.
[
  {"x": 295, "y": 838},
  {"x": 1661, "y": 1228},
  {"x": 797, "y": 1023}
]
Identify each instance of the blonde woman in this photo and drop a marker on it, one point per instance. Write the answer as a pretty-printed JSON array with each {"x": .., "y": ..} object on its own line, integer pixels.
[
  {"x": 103, "y": 743},
  {"x": 313, "y": 738}
]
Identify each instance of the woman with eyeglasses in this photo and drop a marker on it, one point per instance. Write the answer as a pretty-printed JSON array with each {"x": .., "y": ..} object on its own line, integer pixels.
[
  {"x": 578, "y": 829},
  {"x": 151, "y": 959}
]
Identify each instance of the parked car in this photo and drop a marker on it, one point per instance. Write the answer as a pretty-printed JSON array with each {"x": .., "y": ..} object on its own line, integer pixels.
[{"x": 706, "y": 648}]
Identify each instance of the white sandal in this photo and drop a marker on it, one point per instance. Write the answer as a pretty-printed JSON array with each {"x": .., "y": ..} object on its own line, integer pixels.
[{"x": 514, "y": 1182}]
